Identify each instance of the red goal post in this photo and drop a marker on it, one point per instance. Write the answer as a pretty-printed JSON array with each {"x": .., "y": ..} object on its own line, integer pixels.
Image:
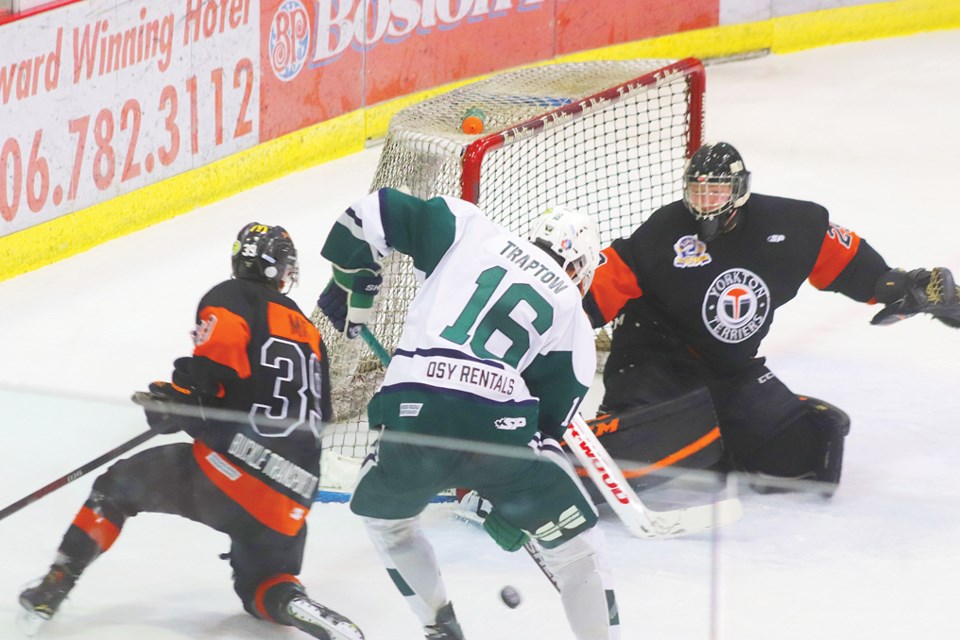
[{"x": 609, "y": 138}]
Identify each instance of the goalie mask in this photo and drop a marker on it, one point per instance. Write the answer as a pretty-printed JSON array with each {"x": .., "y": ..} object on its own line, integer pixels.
[
  {"x": 715, "y": 185},
  {"x": 571, "y": 238},
  {"x": 265, "y": 254}
]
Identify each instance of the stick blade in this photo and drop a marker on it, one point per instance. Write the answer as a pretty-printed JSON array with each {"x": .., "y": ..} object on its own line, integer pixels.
[{"x": 690, "y": 520}]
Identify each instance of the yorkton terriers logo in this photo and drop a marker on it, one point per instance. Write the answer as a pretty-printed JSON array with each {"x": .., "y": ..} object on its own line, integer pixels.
[{"x": 736, "y": 305}]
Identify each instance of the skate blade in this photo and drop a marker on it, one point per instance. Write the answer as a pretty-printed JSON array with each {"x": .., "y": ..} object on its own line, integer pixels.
[
  {"x": 29, "y": 623},
  {"x": 336, "y": 626}
]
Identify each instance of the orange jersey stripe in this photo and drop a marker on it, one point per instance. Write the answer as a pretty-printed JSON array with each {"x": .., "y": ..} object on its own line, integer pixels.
[
  {"x": 685, "y": 452},
  {"x": 264, "y": 586},
  {"x": 838, "y": 249},
  {"x": 225, "y": 339},
  {"x": 292, "y": 325},
  {"x": 100, "y": 530},
  {"x": 613, "y": 285},
  {"x": 270, "y": 507}
]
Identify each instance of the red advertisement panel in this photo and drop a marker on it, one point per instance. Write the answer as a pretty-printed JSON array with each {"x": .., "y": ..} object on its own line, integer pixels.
[
  {"x": 588, "y": 24},
  {"x": 299, "y": 86},
  {"x": 427, "y": 43},
  {"x": 323, "y": 58},
  {"x": 98, "y": 104}
]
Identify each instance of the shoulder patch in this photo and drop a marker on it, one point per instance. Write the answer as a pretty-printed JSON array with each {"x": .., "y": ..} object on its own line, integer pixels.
[
  {"x": 691, "y": 252},
  {"x": 202, "y": 332}
]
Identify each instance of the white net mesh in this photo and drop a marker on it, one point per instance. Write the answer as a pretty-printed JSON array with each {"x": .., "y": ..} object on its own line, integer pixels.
[{"x": 609, "y": 138}]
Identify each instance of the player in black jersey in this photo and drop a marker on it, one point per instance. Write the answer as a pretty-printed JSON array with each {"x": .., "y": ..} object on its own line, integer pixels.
[
  {"x": 693, "y": 293},
  {"x": 252, "y": 396}
]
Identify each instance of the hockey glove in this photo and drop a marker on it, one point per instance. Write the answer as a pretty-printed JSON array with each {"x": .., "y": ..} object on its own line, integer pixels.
[
  {"x": 507, "y": 536},
  {"x": 905, "y": 294},
  {"x": 158, "y": 402},
  {"x": 348, "y": 299},
  {"x": 471, "y": 506}
]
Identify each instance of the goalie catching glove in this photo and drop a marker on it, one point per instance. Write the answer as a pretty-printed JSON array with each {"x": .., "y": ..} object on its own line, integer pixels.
[
  {"x": 919, "y": 291},
  {"x": 347, "y": 301}
]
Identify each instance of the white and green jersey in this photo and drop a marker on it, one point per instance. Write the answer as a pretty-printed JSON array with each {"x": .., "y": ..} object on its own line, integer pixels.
[{"x": 495, "y": 345}]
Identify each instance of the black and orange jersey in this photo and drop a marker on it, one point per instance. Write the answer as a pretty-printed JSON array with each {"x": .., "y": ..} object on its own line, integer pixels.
[
  {"x": 262, "y": 358},
  {"x": 718, "y": 300}
]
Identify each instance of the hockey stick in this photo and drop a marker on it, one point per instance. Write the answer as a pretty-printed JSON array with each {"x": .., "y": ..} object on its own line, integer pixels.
[
  {"x": 384, "y": 357},
  {"x": 77, "y": 473},
  {"x": 473, "y": 518},
  {"x": 639, "y": 519}
]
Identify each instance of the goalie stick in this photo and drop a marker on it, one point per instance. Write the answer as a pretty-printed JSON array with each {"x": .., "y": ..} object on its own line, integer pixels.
[{"x": 640, "y": 520}]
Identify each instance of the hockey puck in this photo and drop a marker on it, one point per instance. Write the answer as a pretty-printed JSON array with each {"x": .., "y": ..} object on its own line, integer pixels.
[{"x": 510, "y": 597}]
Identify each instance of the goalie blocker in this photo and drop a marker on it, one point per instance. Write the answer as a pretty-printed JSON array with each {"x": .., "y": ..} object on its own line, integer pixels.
[{"x": 656, "y": 443}]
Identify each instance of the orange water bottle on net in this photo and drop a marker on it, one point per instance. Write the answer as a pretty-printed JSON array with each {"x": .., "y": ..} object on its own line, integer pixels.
[{"x": 473, "y": 121}]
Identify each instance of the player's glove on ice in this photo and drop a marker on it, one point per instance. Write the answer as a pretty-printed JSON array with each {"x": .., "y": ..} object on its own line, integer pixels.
[
  {"x": 905, "y": 294},
  {"x": 348, "y": 299},
  {"x": 509, "y": 537}
]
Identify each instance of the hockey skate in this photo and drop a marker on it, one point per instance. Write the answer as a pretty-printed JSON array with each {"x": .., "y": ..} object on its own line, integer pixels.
[
  {"x": 41, "y": 601},
  {"x": 446, "y": 627},
  {"x": 44, "y": 599},
  {"x": 320, "y": 622}
]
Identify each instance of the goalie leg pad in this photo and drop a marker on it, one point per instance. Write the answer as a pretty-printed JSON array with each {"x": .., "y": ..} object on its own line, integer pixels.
[
  {"x": 809, "y": 448},
  {"x": 834, "y": 425},
  {"x": 661, "y": 439}
]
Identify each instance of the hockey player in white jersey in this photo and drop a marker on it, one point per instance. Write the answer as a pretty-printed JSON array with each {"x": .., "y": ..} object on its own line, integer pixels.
[{"x": 495, "y": 350}]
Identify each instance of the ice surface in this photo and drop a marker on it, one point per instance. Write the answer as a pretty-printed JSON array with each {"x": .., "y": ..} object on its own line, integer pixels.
[{"x": 870, "y": 130}]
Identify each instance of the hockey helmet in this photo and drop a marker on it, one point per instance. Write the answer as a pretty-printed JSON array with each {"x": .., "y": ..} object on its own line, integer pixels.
[
  {"x": 265, "y": 254},
  {"x": 716, "y": 184},
  {"x": 571, "y": 238}
]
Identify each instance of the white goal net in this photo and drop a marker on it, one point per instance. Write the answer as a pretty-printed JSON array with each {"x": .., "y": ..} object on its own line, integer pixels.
[{"x": 608, "y": 138}]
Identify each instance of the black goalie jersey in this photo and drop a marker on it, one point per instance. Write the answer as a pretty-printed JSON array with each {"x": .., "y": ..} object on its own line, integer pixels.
[{"x": 718, "y": 300}]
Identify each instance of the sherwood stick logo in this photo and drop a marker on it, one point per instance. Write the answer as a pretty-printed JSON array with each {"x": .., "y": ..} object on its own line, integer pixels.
[{"x": 598, "y": 464}]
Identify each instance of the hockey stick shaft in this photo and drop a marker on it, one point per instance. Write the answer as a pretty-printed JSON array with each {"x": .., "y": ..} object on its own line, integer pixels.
[
  {"x": 77, "y": 473},
  {"x": 378, "y": 349},
  {"x": 534, "y": 552},
  {"x": 384, "y": 357}
]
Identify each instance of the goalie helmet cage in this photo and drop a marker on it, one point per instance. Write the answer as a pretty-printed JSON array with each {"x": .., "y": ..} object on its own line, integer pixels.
[{"x": 609, "y": 138}]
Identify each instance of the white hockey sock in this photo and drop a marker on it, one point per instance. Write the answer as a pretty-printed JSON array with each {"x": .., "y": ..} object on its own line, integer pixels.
[
  {"x": 586, "y": 586},
  {"x": 411, "y": 563}
]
